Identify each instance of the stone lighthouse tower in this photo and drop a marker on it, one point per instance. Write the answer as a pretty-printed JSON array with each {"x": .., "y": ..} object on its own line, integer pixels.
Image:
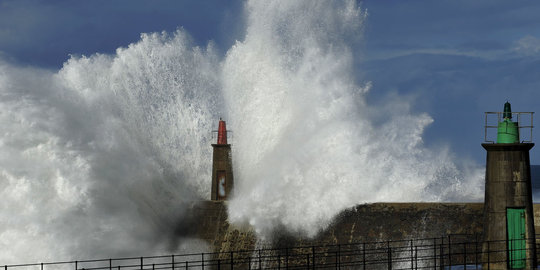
[
  {"x": 222, "y": 174},
  {"x": 509, "y": 237}
]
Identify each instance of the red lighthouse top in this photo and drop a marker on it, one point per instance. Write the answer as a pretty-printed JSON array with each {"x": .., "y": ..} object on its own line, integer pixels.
[{"x": 222, "y": 133}]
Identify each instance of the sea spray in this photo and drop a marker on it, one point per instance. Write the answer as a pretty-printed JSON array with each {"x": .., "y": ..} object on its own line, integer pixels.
[
  {"x": 100, "y": 159},
  {"x": 306, "y": 145}
]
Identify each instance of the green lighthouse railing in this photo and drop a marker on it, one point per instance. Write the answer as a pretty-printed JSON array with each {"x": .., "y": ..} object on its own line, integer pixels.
[{"x": 522, "y": 117}]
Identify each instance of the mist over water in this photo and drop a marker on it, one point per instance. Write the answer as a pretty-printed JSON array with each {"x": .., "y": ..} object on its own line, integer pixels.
[{"x": 100, "y": 158}]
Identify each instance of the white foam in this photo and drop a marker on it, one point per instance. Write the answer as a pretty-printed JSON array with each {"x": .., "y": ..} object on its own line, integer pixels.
[
  {"x": 98, "y": 159},
  {"x": 306, "y": 142}
]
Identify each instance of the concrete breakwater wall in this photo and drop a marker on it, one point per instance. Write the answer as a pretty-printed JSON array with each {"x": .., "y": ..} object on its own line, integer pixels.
[{"x": 362, "y": 223}]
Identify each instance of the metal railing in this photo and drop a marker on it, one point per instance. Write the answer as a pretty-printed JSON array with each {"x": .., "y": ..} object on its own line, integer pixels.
[
  {"x": 450, "y": 252},
  {"x": 518, "y": 115},
  {"x": 230, "y": 136}
]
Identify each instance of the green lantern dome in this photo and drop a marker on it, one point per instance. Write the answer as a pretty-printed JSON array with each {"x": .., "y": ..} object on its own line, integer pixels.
[
  {"x": 507, "y": 111},
  {"x": 507, "y": 131}
]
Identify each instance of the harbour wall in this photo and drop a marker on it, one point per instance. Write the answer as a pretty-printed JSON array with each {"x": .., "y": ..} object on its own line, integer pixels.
[{"x": 362, "y": 223}]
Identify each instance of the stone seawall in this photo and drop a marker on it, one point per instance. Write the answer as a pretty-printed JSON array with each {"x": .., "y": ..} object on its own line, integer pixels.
[{"x": 362, "y": 223}]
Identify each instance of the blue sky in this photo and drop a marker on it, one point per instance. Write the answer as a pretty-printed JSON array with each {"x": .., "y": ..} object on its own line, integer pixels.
[
  {"x": 451, "y": 59},
  {"x": 456, "y": 60}
]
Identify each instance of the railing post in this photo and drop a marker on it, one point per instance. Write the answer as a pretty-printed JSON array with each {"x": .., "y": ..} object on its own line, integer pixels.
[
  {"x": 202, "y": 261},
  {"x": 412, "y": 263},
  {"x": 75, "y": 266},
  {"x": 476, "y": 252},
  {"x": 389, "y": 256},
  {"x": 232, "y": 262},
  {"x": 364, "y": 255},
  {"x": 41, "y": 266},
  {"x": 218, "y": 264},
  {"x": 464, "y": 255},
  {"x": 509, "y": 258},
  {"x": 339, "y": 256},
  {"x": 313, "y": 252},
  {"x": 441, "y": 253},
  {"x": 488, "y": 251},
  {"x": 278, "y": 261},
  {"x": 187, "y": 266},
  {"x": 416, "y": 257},
  {"x": 110, "y": 264},
  {"x": 337, "y": 264},
  {"x": 435, "y": 253},
  {"x": 286, "y": 258},
  {"x": 449, "y": 253},
  {"x": 153, "y": 266},
  {"x": 172, "y": 262},
  {"x": 260, "y": 264},
  {"x": 141, "y": 263}
]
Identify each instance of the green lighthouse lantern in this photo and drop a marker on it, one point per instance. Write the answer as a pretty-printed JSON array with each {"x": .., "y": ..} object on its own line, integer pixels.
[{"x": 507, "y": 131}]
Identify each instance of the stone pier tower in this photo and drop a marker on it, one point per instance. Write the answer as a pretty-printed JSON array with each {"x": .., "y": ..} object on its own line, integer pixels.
[
  {"x": 509, "y": 237},
  {"x": 222, "y": 173}
]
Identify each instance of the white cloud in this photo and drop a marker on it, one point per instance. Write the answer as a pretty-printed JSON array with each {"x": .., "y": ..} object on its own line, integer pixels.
[{"x": 527, "y": 45}]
